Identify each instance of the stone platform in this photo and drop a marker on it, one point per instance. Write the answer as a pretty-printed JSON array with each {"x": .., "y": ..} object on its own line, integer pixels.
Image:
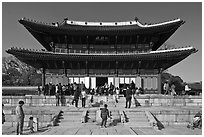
[{"x": 70, "y": 122}]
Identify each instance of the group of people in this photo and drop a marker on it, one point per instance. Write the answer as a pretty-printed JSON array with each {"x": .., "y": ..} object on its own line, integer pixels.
[
  {"x": 79, "y": 91},
  {"x": 20, "y": 115},
  {"x": 169, "y": 89},
  {"x": 51, "y": 89}
]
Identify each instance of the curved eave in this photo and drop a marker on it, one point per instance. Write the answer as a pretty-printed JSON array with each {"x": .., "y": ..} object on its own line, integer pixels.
[
  {"x": 155, "y": 55},
  {"x": 152, "y": 60},
  {"x": 75, "y": 29}
]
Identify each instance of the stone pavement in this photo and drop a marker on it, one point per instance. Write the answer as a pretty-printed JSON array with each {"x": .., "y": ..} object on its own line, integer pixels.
[{"x": 70, "y": 125}]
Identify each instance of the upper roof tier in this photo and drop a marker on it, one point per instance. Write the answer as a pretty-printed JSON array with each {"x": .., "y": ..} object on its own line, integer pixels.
[{"x": 156, "y": 33}]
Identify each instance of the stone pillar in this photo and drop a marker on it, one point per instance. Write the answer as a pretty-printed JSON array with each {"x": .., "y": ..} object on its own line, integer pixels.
[
  {"x": 43, "y": 78},
  {"x": 159, "y": 83}
]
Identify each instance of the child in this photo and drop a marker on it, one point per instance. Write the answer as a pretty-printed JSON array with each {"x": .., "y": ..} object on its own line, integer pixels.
[
  {"x": 104, "y": 115},
  {"x": 83, "y": 97},
  {"x": 30, "y": 124}
]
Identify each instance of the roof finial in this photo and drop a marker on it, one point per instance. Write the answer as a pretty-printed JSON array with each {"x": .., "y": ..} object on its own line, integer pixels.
[{"x": 136, "y": 19}]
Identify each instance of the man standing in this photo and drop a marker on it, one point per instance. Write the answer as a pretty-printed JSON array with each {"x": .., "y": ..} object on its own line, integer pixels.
[
  {"x": 3, "y": 115},
  {"x": 77, "y": 93},
  {"x": 104, "y": 115},
  {"x": 20, "y": 117},
  {"x": 128, "y": 97}
]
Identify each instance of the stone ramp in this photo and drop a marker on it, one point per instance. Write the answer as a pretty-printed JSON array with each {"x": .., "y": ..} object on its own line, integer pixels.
[
  {"x": 73, "y": 116},
  {"x": 136, "y": 118},
  {"x": 91, "y": 116},
  {"x": 180, "y": 130},
  {"x": 95, "y": 129},
  {"x": 88, "y": 129},
  {"x": 146, "y": 131}
]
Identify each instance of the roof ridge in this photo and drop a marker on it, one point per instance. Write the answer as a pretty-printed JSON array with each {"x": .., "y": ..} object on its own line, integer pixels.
[{"x": 103, "y": 23}]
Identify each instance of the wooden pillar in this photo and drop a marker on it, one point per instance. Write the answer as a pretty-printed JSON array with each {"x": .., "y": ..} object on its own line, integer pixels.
[
  {"x": 87, "y": 69},
  {"x": 43, "y": 78},
  {"x": 87, "y": 42},
  {"x": 159, "y": 83},
  {"x": 116, "y": 68},
  {"x": 66, "y": 40},
  {"x": 116, "y": 46}
]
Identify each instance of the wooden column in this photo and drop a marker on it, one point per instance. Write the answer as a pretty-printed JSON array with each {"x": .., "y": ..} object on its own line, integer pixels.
[
  {"x": 116, "y": 46},
  {"x": 87, "y": 69},
  {"x": 66, "y": 40},
  {"x": 116, "y": 68},
  {"x": 43, "y": 78},
  {"x": 87, "y": 42},
  {"x": 159, "y": 83}
]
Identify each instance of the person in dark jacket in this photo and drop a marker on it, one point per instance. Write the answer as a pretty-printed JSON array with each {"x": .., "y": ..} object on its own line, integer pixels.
[
  {"x": 128, "y": 97},
  {"x": 3, "y": 115},
  {"x": 104, "y": 115},
  {"x": 77, "y": 94}
]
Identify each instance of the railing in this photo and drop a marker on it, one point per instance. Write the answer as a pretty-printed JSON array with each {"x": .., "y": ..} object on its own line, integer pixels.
[
  {"x": 34, "y": 100},
  {"x": 102, "y": 51},
  {"x": 144, "y": 100},
  {"x": 43, "y": 117}
]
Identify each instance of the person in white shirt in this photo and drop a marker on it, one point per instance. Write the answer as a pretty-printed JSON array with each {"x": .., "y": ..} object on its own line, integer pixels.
[
  {"x": 83, "y": 97},
  {"x": 20, "y": 117}
]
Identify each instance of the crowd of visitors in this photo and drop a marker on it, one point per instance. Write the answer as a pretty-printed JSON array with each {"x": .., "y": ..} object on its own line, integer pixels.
[{"x": 79, "y": 91}]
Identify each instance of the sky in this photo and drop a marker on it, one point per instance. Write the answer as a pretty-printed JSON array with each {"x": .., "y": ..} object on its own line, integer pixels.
[{"x": 189, "y": 34}]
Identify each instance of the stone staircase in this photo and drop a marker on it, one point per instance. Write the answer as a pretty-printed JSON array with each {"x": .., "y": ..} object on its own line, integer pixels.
[
  {"x": 115, "y": 117},
  {"x": 71, "y": 117},
  {"x": 90, "y": 116},
  {"x": 136, "y": 118}
]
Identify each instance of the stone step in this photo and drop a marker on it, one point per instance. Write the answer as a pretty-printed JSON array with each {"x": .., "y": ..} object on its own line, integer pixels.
[
  {"x": 134, "y": 112},
  {"x": 138, "y": 124},
  {"x": 138, "y": 120},
  {"x": 72, "y": 113},
  {"x": 135, "y": 117}
]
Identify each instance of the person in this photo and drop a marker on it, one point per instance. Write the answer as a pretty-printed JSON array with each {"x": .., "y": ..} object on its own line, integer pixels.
[
  {"x": 20, "y": 117},
  {"x": 124, "y": 88},
  {"x": 30, "y": 124},
  {"x": 104, "y": 115},
  {"x": 76, "y": 96},
  {"x": 49, "y": 88},
  {"x": 83, "y": 97},
  {"x": 111, "y": 88},
  {"x": 196, "y": 121},
  {"x": 173, "y": 92},
  {"x": 187, "y": 89},
  {"x": 137, "y": 92},
  {"x": 128, "y": 97},
  {"x": 166, "y": 88},
  {"x": 115, "y": 97},
  {"x": 117, "y": 92},
  {"x": 57, "y": 95},
  {"x": 132, "y": 85},
  {"x": 63, "y": 99},
  {"x": 106, "y": 87},
  {"x": 39, "y": 90},
  {"x": 3, "y": 115}
]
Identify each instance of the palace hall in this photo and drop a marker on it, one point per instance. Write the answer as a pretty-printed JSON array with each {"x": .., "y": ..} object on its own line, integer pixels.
[{"x": 96, "y": 53}]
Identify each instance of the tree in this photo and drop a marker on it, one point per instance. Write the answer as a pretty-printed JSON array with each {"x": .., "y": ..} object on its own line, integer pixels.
[{"x": 176, "y": 80}]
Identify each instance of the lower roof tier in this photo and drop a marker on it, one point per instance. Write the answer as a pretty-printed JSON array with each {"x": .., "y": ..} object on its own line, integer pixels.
[{"x": 151, "y": 60}]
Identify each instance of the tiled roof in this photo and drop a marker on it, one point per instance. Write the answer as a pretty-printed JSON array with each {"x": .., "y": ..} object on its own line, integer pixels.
[{"x": 76, "y": 27}]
